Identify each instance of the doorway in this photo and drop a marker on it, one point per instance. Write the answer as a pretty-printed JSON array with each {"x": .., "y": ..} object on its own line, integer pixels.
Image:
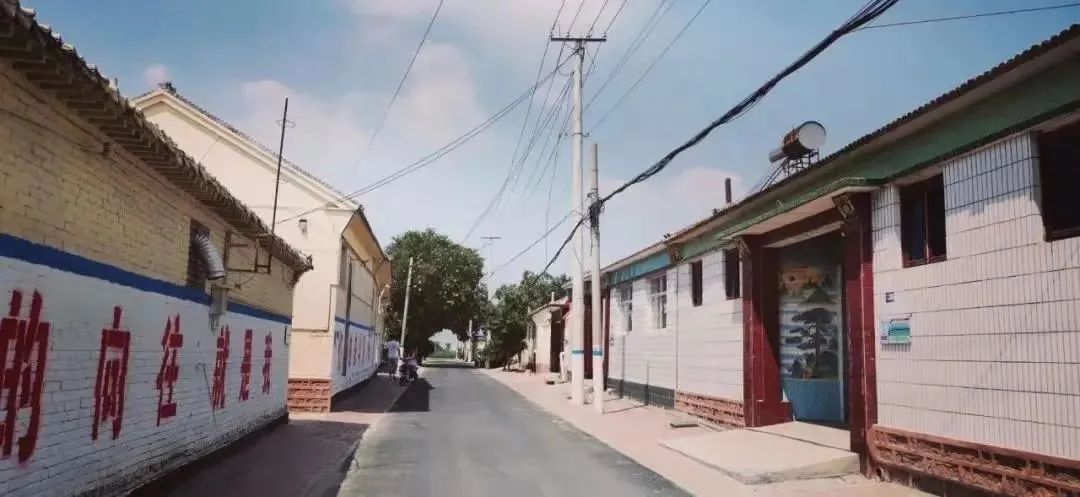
[{"x": 813, "y": 373}]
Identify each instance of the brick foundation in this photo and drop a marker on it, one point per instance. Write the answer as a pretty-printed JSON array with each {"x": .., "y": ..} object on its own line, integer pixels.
[
  {"x": 716, "y": 410},
  {"x": 309, "y": 395},
  {"x": 940, "y": 465}
]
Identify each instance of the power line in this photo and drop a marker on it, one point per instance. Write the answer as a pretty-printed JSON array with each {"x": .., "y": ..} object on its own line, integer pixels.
[
  {"x": 511, "y": 175},
  {"x": 401, "y": 83},
  {"x": 872, "y": 10},
  {"x": 651, "y": 66},
  {"x": 646, "y": 30},
  {"x": 539, "y": 70},
  {"x": 438, "y": 153},
  {"x": 530, "y": 247},
  {"x": 970, "y": 16},
  {"x": 597, "y": 18}
]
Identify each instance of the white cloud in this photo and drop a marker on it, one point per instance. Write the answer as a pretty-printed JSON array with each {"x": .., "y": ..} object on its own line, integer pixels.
[
  {"x": 156, "y": 74},
  {"x": 330, "y": 132},
  {"x": 508, "y": 26},
  {"x": 440, "y": 101},
  {"x": 643, "y": 214}
]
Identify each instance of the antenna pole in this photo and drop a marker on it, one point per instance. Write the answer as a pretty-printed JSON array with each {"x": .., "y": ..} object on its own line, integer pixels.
[{"x": 280, "y": 150}]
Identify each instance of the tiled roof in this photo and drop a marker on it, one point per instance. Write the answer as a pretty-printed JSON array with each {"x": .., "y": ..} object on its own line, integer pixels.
[
  {"x": 54, "y": 66},
  {"x": 171, "y": 90}
]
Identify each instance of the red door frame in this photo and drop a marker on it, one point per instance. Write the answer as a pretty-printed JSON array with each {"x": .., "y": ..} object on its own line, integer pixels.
[{"x": 763, "y": 402}]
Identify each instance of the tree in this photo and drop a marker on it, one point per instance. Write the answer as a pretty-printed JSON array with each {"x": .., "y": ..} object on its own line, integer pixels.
[
  {"x": 510, "y": 316},
  {"x": 446, "y": 287}
]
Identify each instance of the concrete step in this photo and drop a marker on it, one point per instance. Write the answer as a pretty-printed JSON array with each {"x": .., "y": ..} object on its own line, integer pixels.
[{"x": 754, "y": 457}]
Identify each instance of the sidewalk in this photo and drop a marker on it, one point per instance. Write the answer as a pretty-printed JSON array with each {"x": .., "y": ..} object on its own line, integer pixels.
[
  {"x": 636, "y": 430},
  {"x": 306, "y": 457}
]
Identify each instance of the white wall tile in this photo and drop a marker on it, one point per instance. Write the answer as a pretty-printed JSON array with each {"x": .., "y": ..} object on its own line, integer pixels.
[{"x": 996, "y": 327}]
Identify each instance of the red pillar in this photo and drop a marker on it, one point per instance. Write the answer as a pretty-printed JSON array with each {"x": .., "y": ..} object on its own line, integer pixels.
[
  {"x": 763, "y": 403},
  {"x": 857, "y": 209}
]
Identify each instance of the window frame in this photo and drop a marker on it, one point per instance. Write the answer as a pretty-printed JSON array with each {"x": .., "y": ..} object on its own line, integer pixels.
[
  {"x": 732, "y": 274},
  {"x": 697, "y": 283},
  {"x": 919, "y": 192},
  {"x": 1049, "y": 202},
  {"x": 626, "y": 306},
  {"x": 658, "y": 301}
]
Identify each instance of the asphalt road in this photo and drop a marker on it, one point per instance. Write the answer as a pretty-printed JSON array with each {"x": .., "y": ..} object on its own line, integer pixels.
[{"x": 457, "y": 433}]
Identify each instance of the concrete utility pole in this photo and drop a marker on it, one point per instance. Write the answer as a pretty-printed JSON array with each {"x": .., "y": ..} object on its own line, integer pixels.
[
  {"x": 470, "y": 351},
  {"x": 594, "y": 263},
  {"x": 577, "y": 207},
  {"x": 405, "y": 313}
]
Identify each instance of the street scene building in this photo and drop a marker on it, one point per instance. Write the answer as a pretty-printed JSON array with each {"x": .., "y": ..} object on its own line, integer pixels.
[
  {"x": 893, "y": 312},
  {"x": 135, "y": 338},
  {"x": 336, "y": 332},
  {"x": 918, "y": 288}
]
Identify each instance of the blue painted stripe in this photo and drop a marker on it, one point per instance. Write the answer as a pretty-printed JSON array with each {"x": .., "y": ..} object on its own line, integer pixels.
[
  {"x": 44, "y": 255},
  {"x": 598, "y": 353},
  {"x": 257, "y": 313},
  {"x": 354, "y": 323},
  {"x": 577, "y": 352}
]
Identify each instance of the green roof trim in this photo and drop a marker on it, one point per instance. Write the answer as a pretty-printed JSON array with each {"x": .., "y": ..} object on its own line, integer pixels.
[{"x": 655, "y": 262}]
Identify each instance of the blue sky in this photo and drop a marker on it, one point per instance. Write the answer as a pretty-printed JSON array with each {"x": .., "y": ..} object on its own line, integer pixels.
[{"x": 339, "y": 61}]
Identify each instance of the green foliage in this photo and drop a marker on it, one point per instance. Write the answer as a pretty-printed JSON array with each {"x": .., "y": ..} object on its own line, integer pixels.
[
  {"x": 446, "y": 287},
  {"x": 509, "y": 316}
]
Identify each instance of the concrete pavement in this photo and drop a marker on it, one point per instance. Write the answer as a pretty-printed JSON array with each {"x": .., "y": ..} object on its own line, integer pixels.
[
  {"x": 636, "y": 431},
  {"x": 458, "y": 433}
]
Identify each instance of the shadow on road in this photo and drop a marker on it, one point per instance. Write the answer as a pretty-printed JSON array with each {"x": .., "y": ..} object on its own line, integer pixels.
[
  {"x": 309, "y": 456},
  {"x": 417, "y": 398}
]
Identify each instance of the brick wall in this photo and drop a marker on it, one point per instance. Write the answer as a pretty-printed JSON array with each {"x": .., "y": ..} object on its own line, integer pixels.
[
  {"x": 996, "y": 327},
  {"x": 93, "y": 261}
]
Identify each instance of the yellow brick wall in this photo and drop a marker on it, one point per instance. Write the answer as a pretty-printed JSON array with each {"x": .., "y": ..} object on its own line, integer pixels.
[{"x": 57, "y": 188}]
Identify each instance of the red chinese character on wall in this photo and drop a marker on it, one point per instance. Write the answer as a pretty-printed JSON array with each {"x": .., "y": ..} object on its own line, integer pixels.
[
  {"x": 171, "y": 342},
  {"x": 26, "y": 343},
  {"x": 111, "y": 377},
  {"x": 268, "y": 354},
  {"x": 245, "y": 367},
  {"x": 217, "y": 395}
]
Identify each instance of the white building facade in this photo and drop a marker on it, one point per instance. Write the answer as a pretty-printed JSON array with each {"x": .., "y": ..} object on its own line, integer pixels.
[{"x": 336, "y": 337}]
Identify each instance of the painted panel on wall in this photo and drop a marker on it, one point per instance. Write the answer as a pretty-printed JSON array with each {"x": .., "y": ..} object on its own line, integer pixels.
[
  {"x": 811, "y": 329},
  {"x": 106, "y": 385}
]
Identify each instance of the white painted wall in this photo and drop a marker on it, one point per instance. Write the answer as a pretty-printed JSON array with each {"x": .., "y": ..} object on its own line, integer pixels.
[
  {"x": 249, "y": 175},
  {"x": 66, "y": 459},
  {"x": 995, "y": 328},
  {"x": 318, "y": 301},
  {"x": 645, "y": 355},
  {"x": 710, "y": 336}
]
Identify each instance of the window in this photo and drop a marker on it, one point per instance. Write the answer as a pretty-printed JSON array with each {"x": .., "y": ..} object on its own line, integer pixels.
[
  {"x": 658, "y": 300},
  {"x": 1059, "y": 170},
  {"x": 695, "y": 283},
  {"x": 731, "y": 273},
  {"x": 922, "y": 221},
  {"x": 196, "y": 266},
  {"x": 626, "y": 306}
]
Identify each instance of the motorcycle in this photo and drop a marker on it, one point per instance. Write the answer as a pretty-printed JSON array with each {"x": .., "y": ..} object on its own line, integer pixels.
[{"x": 407, "y": 373}]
